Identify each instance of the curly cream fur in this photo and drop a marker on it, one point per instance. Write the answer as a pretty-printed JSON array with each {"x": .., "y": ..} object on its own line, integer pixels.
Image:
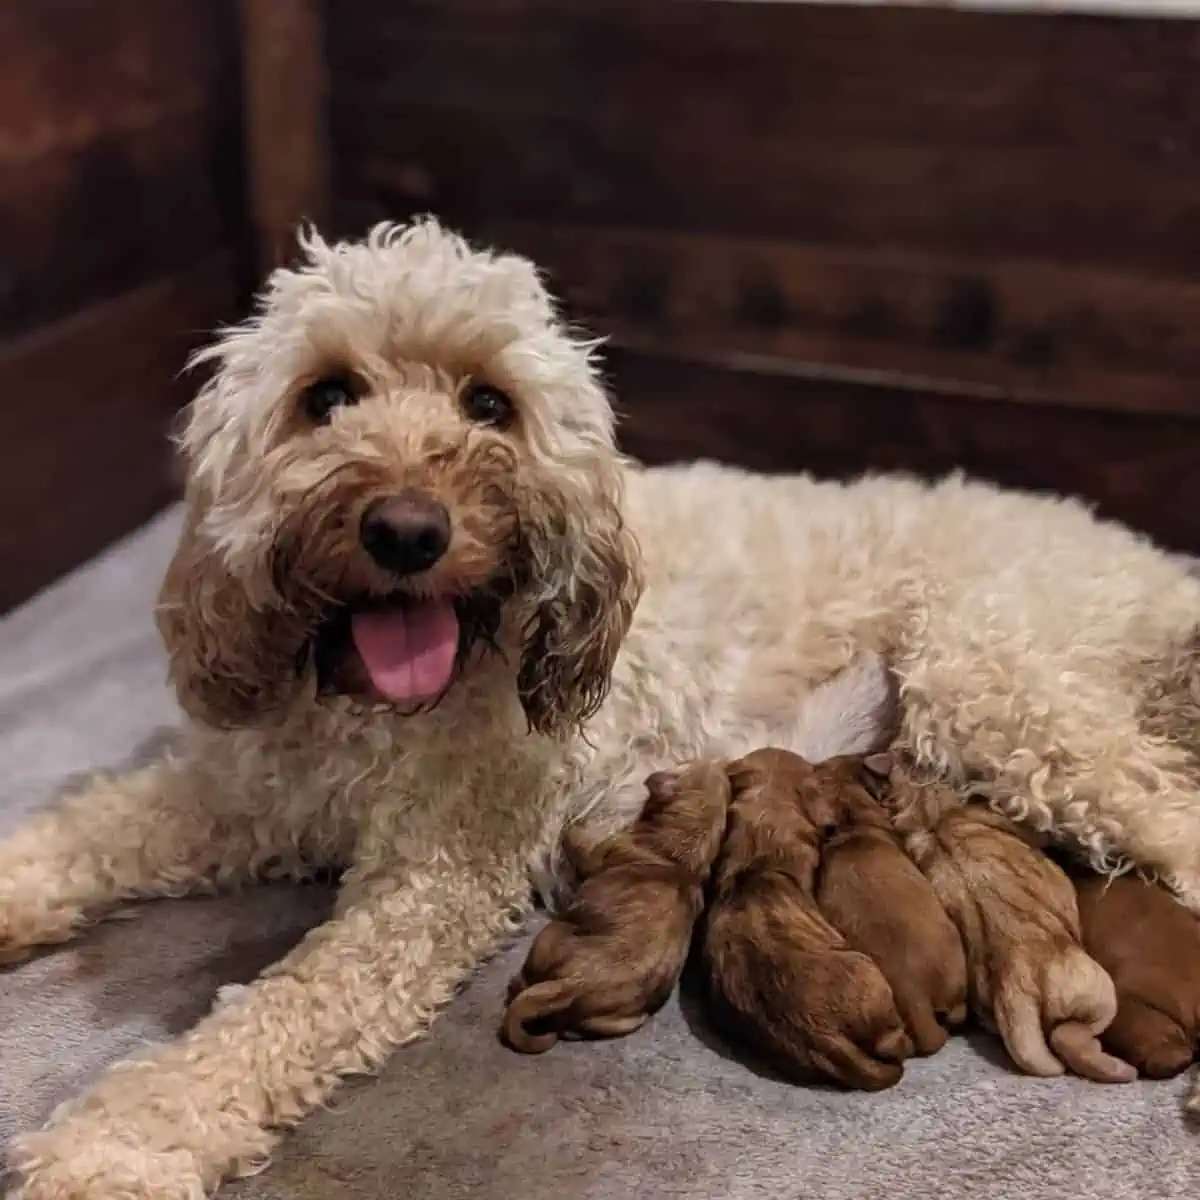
[{"x": 1032, "y": 643}]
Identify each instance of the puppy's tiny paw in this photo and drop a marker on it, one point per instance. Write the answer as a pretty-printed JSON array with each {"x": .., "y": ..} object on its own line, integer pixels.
[
  {"x": 1164, "y": 1062},
  {"x": 894, "y": 1046}
]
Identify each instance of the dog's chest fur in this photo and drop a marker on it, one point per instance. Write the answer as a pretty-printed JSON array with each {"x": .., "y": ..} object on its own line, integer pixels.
[{"x": 352, "y": 782}]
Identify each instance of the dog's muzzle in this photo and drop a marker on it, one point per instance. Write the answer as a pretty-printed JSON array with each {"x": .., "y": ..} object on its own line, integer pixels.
[{"x": 406, "y": 533}]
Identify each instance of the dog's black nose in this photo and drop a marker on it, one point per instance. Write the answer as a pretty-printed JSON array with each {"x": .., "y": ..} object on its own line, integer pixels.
[{"x": 407, "y": 533}]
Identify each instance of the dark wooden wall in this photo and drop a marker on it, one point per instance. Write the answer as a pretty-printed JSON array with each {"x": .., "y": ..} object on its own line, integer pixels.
[
  {"x": 819, "y": 237},
  {"x": 122, "y": 222},
  {"x": 823, "y": 237}
]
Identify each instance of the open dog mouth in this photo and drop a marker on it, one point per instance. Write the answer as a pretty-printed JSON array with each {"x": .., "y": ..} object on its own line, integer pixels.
[{"x": 405, "y": 650}]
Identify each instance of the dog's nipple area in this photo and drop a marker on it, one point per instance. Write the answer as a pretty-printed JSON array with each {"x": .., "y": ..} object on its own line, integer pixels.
[{"x": 409, "y": 652}]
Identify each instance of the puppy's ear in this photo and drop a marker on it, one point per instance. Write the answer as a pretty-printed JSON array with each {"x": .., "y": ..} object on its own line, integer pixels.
[
  {"x": 662, "y": 785},
  {"x": 235, "y": 658},
  {"x": 880, "y": 765},
  {"x": 590, "y": 565}
]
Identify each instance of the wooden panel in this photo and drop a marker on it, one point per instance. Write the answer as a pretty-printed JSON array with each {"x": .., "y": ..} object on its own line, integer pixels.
[
  {"x": 85, "y": 431},
  {"x": 285, "y": 121},
  {"x": 119, "y": 148},
  {"x": 997, "y": 203},
  {"x": 1140, "y": 471},
  {"x": 1027, "y": 201},
  {"x": 121, "y": 204},
  {"x": 1034, "y": 331},
  {"x": 948, "y": 131},
  {"x": 823, "y": 73},
  {"x": 110, "y": 213},
  {"x": 75, "y": 69}
]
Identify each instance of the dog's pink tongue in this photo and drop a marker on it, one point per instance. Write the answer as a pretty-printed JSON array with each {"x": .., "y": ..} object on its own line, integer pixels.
[{"x": 409, "y": 653}]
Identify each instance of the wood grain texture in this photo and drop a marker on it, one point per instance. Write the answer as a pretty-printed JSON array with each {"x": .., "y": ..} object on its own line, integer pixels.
[
  {"x": 1007, "y": 203},
  {"x": 948, "y": 131},
  {"x": 1033, "y": 332},
  {"x": 1137, "y": 471},
  {"x": 97, "y": 218},
  {"x": 75, "y": 70},
  {"x": 86, "y": 440},
  {"x": 119, "y": 148},
  {"x": 284, "y": 72},
  {"x": 121, "y": 202}
]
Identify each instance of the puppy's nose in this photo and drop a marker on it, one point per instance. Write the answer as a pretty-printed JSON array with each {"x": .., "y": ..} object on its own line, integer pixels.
[{"x": 407, "y": 533}]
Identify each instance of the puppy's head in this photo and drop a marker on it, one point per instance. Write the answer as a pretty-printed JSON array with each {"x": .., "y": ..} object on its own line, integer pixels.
[
  {"x": 780, "y": 780},
  {"x": 684, "y": 816},
  {"x": 669, "y": 792},
  {"x": 401, "y": 458}
]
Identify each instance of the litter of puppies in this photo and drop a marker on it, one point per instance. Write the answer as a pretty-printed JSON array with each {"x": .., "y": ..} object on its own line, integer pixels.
[{"x": 846, "y": 917}]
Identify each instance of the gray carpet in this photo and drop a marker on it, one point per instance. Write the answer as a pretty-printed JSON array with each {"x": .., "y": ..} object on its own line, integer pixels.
[{"x": 666, "y": 1113}]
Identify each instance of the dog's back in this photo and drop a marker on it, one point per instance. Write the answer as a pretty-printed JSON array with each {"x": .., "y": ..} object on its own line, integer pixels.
[
  {"x": 680, "y": 827},
  {"x": 1150, "y": 945},
  {"x": 780, "y": 977},
  {"x": 765, "y": 954},
  {"x": 615, "y": 954},
  {"x": 881, "y": 903},
  {"x": 1028, "y": 974}
]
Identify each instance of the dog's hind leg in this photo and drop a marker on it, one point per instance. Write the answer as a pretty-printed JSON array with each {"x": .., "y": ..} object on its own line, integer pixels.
[
  {"x": 1169, "y": 727},
  {"x": 1136, "y": 804},
  {"x": 152, "y": 832},
  {"x": 1071, "y": 754}
]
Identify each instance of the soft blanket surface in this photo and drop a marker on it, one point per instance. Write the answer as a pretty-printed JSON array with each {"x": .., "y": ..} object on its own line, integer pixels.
[{"x": 665, "y": 1113}]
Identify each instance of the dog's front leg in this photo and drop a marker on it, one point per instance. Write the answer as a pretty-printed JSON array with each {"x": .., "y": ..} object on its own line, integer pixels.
[
  {"x": 164, "y": 830},
  {"x": 172, "y": 1124}
]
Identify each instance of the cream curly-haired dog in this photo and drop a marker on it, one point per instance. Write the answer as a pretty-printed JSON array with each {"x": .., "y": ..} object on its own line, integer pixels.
[{"x": 404, "y": 619}]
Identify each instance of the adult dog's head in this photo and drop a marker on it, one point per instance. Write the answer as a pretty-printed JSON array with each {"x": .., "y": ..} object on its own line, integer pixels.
[{"x": 401, "y": 459}]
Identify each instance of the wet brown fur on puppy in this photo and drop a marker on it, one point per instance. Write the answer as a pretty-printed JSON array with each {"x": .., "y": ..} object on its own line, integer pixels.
[
  {"x": 779, "y": 976},
  {"x": 1150, "y": 945},
  {"x": 1028, "y": 975},
  {"x": 880, "y": 902},
  {"x": 614, "y": 956}
]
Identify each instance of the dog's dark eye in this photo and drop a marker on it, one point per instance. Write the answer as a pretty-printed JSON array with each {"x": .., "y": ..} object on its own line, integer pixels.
[
  {"x": 334, "y": 391},
  {"x": 487, "y": 405}
]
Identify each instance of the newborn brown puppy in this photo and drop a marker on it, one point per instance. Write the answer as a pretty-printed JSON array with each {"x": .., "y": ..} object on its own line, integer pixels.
[
  {"x": 1028, "y": 976},
  {"x": 878, "y": 900},
  {"x": 614, "y": 956},
  {"x": 1150, "y": 945},
  {"x": 780, "y": 977}
]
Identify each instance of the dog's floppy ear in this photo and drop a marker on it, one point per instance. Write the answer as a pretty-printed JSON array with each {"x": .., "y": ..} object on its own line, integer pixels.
[
  {"x": 591, "y": 565},
  {"x": 234, "y": 657}
]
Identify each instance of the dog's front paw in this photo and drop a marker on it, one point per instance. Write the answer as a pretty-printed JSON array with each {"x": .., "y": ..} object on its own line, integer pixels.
[
  {"x": 22, "y": 932},
  {"x": 49, "y": 1166},
  {"x": 30, "y": 914}
]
